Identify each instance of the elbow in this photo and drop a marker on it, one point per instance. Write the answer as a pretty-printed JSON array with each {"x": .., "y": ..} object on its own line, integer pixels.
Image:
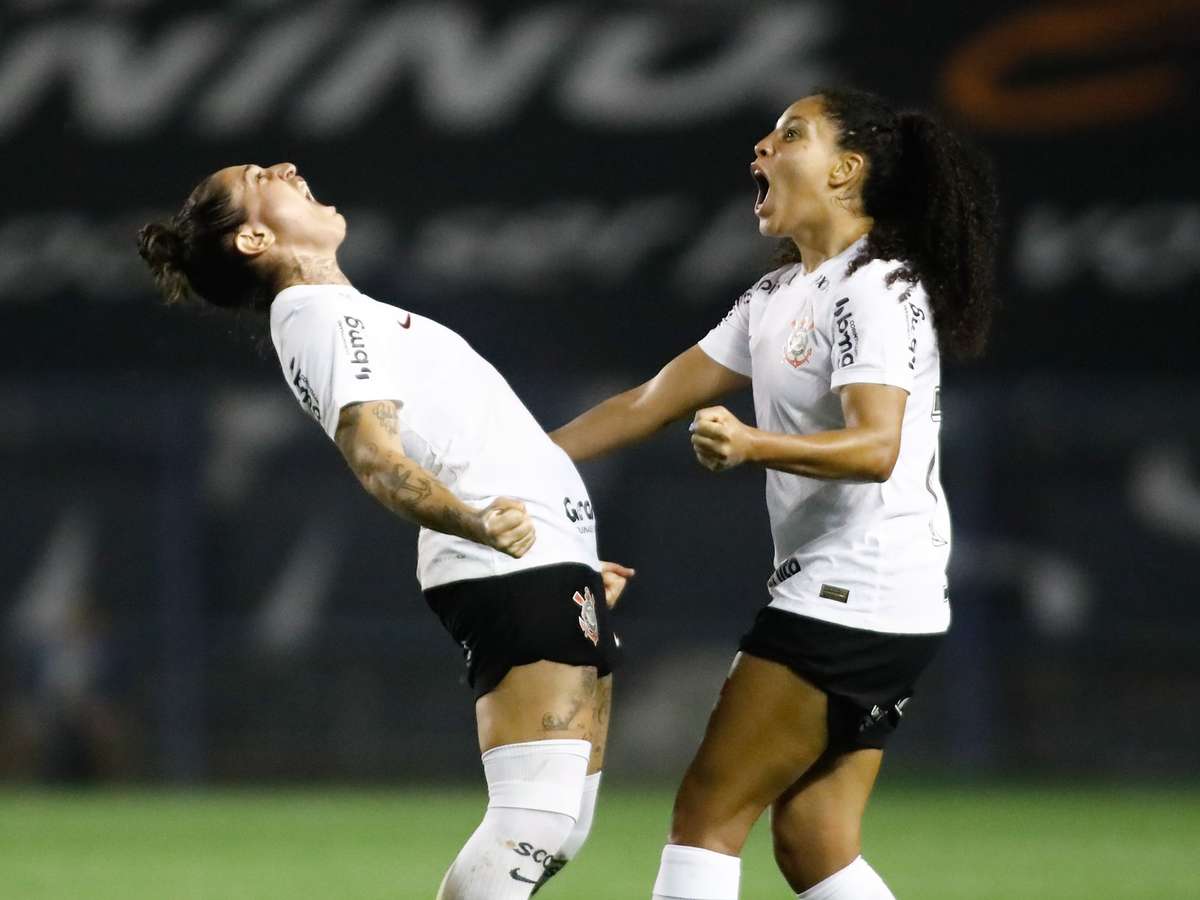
[
  {"x": 882, "y": 461},
  {"x": 363, "y": 462}
]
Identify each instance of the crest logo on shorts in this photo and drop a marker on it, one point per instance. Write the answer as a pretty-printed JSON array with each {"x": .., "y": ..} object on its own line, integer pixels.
[
  {"x": 799, "y": 347},
  {"x": 588, "y": 623}
]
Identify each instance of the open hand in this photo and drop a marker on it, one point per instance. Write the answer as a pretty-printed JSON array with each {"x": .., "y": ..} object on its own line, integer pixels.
[
  {"x": 615, "y": 576},
  {"x": 719, "y": 440}
]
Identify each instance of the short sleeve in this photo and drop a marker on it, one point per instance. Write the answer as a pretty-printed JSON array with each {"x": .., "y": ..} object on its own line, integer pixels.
[
  {"x": 729, "y": 342},
  {"x": 872, "y": 337},
  {"x": 333, "y": 356}
]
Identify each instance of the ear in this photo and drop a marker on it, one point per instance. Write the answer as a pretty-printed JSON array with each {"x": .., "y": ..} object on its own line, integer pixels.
[
  {"x": 252, "y": 240},
  {"x": 846, "y": 169}
]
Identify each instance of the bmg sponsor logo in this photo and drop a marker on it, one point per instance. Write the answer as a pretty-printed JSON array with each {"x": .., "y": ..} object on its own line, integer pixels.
[
  {"x": 354, "y": 337},
  {"x": 847, "y": 334}
]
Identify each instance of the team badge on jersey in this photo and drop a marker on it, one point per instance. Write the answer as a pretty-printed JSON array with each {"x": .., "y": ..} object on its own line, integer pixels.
[
  {"x": 588, "y": 623},
  {"x": 799, "y": 347}
]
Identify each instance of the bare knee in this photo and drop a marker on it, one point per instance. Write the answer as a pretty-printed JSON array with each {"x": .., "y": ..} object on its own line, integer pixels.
[{"x": 707, "y": 815}]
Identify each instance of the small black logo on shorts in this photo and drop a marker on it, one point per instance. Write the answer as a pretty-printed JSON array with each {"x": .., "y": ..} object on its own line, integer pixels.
[
  {"x": 516, "y": 875},
  {"x": 830, "y": 592},
  {"x": 884, "y": 715}
]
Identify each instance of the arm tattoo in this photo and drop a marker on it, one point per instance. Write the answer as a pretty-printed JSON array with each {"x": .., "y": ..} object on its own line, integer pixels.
[
  {"x": 401, "y": 480},
  {"x": 385, "y": 411}
]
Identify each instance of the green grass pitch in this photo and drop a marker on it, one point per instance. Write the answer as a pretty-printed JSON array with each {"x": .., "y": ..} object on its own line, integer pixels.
[{"x": 931, "y": 842}]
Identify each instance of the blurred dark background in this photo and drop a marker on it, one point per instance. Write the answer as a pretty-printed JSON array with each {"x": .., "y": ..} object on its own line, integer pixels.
[{"x": 193, "y": 588}]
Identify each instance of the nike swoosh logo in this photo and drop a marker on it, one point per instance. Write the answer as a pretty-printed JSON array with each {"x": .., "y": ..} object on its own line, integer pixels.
[
  {"x": 407, "y": 321},
  {"x": 516, "y": 875}
]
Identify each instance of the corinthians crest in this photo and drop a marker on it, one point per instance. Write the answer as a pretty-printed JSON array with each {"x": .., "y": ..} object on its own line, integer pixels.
[
  {"x": 588, "y": 623},
  {"x": 799, "y": 347}
]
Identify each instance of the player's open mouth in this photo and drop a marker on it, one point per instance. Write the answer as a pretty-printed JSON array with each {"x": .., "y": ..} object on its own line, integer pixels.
[
  {"x": 305, "y": 191},
  {"x": 764, "y": 187}
]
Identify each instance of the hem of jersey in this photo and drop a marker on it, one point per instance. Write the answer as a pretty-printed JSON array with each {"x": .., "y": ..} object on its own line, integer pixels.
[
  {"x": 856, "y": 622},
  {"x": 872, "y": 376},
  {"x": 711, "y": 354},
  {"x": 549, "y": 565}
]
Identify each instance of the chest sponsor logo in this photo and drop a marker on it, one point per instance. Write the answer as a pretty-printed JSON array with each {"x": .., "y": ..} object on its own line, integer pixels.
[
  {"x": 580, "y": 514},
  {"x": 303, "y": 390},
  {"x": 846, "y": 344},
  {"x": 786, "y": 570},
  {"x": 798, "y": 349},
  {"x": 588, "y": 623},
  {"x": 354, "y": 338}
]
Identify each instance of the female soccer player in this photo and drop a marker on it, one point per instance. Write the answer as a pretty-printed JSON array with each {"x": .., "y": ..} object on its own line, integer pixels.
[
  {"x": 889, "y": 224},
  {"x": 507, "y": 547}
]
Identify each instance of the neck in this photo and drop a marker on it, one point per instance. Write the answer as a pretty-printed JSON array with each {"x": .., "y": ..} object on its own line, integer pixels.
[
  {"x": 830, "y": 237},
  {"x": 310, "y": 270}
]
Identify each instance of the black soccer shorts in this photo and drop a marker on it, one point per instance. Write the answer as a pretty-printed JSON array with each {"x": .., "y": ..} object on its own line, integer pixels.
[
  {"x": 555, "y": 613},
  {"x": 868, "y": 676}
]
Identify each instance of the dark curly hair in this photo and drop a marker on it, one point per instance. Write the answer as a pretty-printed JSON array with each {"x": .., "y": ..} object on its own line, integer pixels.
[
  {"x": 934, "y": 203},
  {"x": 193, "y": 253}
]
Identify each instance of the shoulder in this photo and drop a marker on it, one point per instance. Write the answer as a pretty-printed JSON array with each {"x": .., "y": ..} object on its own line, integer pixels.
[
  {"x": 878, "y": 284},
  {"x": 876, "y": 277},
  {"x": 763, "y": 288},
  {"x": 769, "y": 283}
]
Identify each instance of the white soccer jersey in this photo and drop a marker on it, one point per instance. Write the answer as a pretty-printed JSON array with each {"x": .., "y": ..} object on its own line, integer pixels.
[
  {"x": 459, "y": 419},
  {"x": 869, "y": 556}
]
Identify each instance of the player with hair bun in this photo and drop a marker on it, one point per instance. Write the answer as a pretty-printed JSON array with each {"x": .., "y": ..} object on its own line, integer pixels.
[
  {"x": 888, "y": 227},
  {"x": 507, "y": 547}
]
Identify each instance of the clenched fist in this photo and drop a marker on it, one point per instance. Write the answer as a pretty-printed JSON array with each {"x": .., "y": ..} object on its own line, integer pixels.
[
  {"x": 505, "y": 526},
  {"x": 719, "y": 439}
]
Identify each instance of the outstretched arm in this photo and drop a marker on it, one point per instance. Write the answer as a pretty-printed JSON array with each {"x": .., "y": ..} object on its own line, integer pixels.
[
  {"x": 865, "y": 450},
  {"x": 691, "y": 380},
  {"x": 368, "y": 434}
]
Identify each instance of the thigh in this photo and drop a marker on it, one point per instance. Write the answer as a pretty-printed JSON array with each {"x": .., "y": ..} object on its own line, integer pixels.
[
  {"x": 538, "y": 702},
  {"x": 600, "y": 719},
  {"x": 768, "y": 728},
  {"x": 817, "y": 823}
]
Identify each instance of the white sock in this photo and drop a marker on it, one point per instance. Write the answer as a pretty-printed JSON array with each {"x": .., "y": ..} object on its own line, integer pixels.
[
  {"x": 534, "y": 792},
  {"x": 587, "y": 812},
  {"x": 858, "y": 881},
  {"x": 689, "y": 873},
  {"x": 579, "y": 834}
]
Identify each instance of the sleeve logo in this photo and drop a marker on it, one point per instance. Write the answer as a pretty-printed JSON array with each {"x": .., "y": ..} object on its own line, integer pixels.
[
  {"x": 303, "y": 390},
  {"x": 916, "y": 316},
  {"x": 354, "y": 338},
  {"x": 847, "y": 334}
]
